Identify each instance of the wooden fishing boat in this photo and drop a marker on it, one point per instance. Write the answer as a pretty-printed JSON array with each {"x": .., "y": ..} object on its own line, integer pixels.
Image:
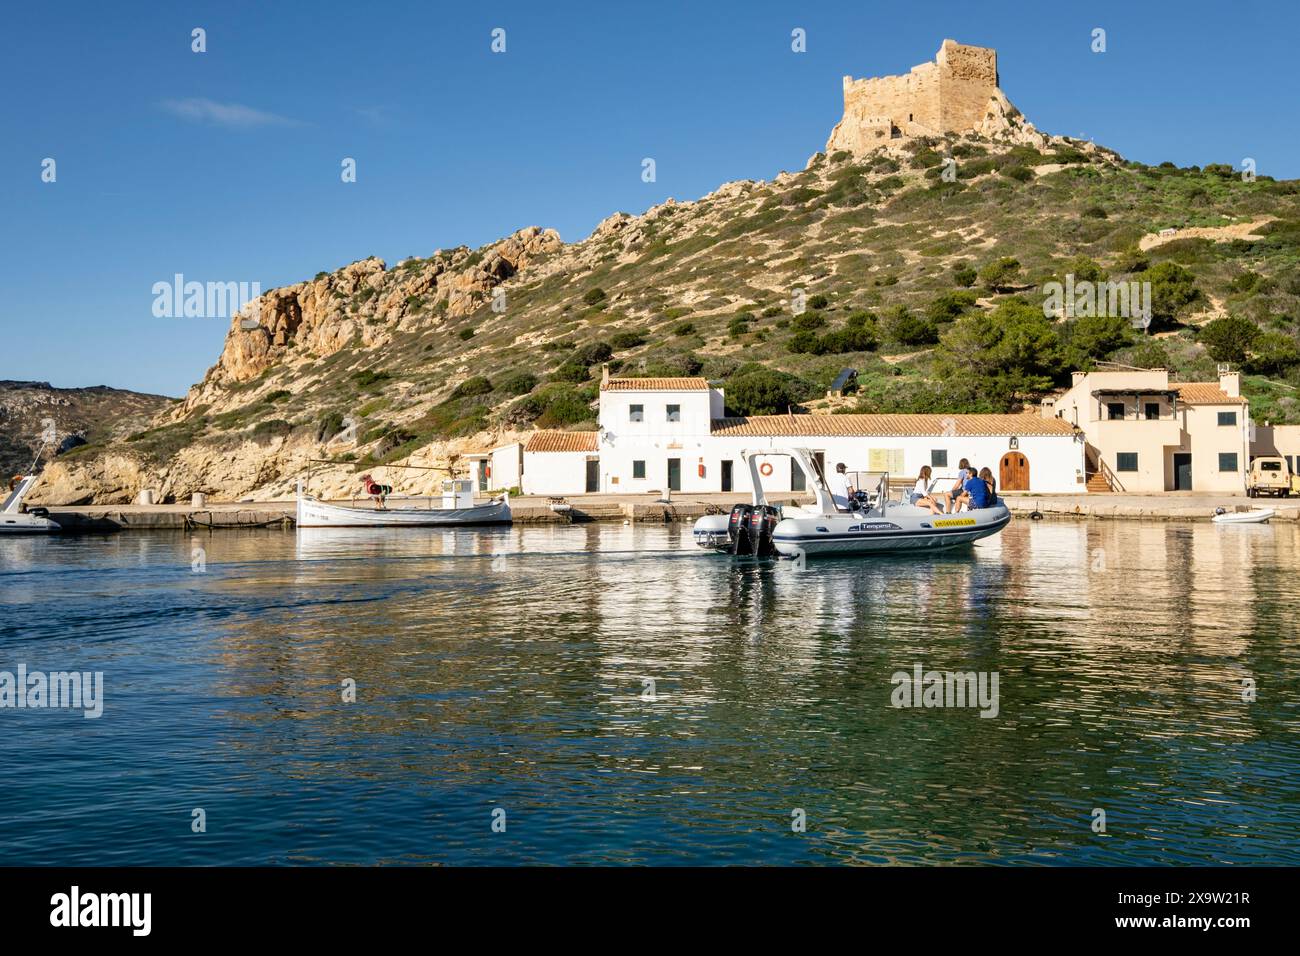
[{"x": 455, "y": 507}]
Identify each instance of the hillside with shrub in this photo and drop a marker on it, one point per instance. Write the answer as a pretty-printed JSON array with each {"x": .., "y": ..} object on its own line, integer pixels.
[{"x": 932, "y": 289}]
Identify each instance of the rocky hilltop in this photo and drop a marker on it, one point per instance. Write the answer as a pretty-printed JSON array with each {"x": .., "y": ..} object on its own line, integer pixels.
[
  {"x": 914, "y": 249},
  {"x": 33, "y": 414}
]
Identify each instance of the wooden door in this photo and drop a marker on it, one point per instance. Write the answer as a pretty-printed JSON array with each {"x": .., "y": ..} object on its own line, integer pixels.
[{"x": 1013, "y": 472}]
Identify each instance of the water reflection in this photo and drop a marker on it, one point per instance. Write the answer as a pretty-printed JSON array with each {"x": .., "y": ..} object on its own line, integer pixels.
[{"x": 627, "y": 698}]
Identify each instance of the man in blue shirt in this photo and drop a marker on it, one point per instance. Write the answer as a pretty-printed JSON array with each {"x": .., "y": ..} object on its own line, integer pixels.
[{"x": 976, "y": 491}]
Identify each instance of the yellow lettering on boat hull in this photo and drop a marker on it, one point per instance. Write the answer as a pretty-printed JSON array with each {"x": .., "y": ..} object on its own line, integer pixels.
[{"x": 952, "y": 522}]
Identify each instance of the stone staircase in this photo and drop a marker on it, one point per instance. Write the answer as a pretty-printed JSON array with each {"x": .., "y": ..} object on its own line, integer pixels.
[{"x": 1098, "y": 485}]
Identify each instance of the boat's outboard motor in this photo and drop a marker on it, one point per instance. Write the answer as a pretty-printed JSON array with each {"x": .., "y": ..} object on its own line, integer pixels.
[
  {"x": 762, "y": 522},
  {"x": 750, "y": 528},
  {"x": 738, "y": 528}
]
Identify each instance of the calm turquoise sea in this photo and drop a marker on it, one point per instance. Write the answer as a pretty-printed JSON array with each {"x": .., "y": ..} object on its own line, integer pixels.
[{"x": 606, "y": 694}]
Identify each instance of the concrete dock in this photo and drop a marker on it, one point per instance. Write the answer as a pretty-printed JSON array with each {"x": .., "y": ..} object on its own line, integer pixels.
[{"x": 1171, "y": 506}]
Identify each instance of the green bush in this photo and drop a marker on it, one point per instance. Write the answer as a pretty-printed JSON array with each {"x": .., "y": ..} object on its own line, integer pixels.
[
  {"x": 762, "y": 391},
  {"x": 901, "y": 326},
  {"x": 807, "y": 322},
  {"x": 1132, "y": 259},
  {"x": 1246, "y": 282},
  {"x": 948, "y": 306},
  {"x": 1273, "y": 353},
  {"x": 1150, "y": 354},
  {"x": 1000, "y": 274},
  {"x": 367, "y": 377},
  {"x": 1096, "y": 336},
  {"x": 474, "y": 385},
  {"x": 627, "y": 340},
  {"x": 818, "y": 302},
  {"x": 594, "y": 352},
  {"x": 520, "y": 383},
  {"x": 593, "y": 295},
  {"x": 1228, "y": 339},
  {"x": 571, "y": 370},
  {"x": 684, "y": 328},
  {"x": 1173, "y": 288}
]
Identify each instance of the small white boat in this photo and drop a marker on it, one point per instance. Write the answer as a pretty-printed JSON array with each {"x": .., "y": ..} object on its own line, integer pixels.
[
  {"x": 456, "y": 507},
  {"x": 874, "y": 523},
  {"x": 1251, "y": 516},
  {"x": 14, "y": 519}
]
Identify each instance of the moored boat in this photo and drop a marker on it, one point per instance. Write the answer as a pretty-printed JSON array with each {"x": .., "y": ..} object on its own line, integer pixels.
[
  {"x": 15, "y": 519},
  {"x": 1251, "y": 516},
  {"x": 456, "y": 507},
  {"x": 872, "y": 524}
]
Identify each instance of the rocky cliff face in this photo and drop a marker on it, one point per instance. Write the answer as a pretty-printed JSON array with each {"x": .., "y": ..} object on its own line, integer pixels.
[{"x": 363, "y": 302}]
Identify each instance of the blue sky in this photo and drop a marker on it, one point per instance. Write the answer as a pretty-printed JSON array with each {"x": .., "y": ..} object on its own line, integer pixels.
[{"x": 225, "y": 165}]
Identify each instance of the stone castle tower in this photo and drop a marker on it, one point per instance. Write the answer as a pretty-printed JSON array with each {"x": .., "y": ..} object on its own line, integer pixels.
[{"x": 956, "y": 93}]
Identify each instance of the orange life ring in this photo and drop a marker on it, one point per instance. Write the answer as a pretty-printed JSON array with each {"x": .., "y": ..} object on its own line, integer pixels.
[{"x": 765, "y": 469}]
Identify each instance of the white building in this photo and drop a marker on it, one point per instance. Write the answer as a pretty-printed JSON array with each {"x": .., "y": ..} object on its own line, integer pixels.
[
  {"x": 659, "y": 434},
  {"x": 560, "y": 463}
]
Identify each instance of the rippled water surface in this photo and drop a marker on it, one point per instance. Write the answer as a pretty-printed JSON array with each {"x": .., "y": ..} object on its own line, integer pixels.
[{"x": 510, "y": 671}]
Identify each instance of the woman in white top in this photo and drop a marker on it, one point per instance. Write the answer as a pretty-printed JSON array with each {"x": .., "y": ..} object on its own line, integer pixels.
[{"x": 921, "y": 492}]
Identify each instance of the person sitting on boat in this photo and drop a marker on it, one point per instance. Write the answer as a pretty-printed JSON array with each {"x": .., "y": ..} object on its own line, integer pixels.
[
  {"x": 921, "y": 496},
  {"x": 949, "y": 497},
  {"x": 988, "y": 479},
  {"x": 377, "y": 492},
  {"x": 975, "y": 493},
  {"x": 841, "y": 491}
]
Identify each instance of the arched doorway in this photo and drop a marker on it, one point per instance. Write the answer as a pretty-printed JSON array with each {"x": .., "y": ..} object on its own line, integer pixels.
[{"x": 1013, "y": 472}]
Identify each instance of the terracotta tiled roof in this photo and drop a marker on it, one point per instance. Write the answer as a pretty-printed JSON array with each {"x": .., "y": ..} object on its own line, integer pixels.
[
  {"x": 777, "y": 426},
  {"x": 654, "y": 385},
  {"x": 561, "y": 441},
  {"x": 1205, "y": 393}
]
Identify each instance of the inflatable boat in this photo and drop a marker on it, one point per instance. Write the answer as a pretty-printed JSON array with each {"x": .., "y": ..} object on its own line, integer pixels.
[
  {"x": 873, "y": 524},
  {"x": 16, "y": 519},
  {"x": 1251, "y": 516}
]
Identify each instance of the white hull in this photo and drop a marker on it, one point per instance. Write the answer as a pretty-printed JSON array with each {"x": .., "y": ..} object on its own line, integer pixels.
[
  {"x": 26, "y": 524},
  {"x": 1256, "y": 516},
  {"x": 903, "y": 528},
  {"x": 897, "y": 531},
  {"x": 318, "y": 514},
  {"x": 14, "y": 520}
]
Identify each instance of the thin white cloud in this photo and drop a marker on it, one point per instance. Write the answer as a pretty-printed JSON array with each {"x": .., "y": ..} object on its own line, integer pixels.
[
  {"x": 229, "y": 115},
  {"x": 380, "y": 115}
]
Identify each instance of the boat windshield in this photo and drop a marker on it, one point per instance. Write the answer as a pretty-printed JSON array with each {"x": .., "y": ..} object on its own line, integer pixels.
[{"x": 14, "y": 496}]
